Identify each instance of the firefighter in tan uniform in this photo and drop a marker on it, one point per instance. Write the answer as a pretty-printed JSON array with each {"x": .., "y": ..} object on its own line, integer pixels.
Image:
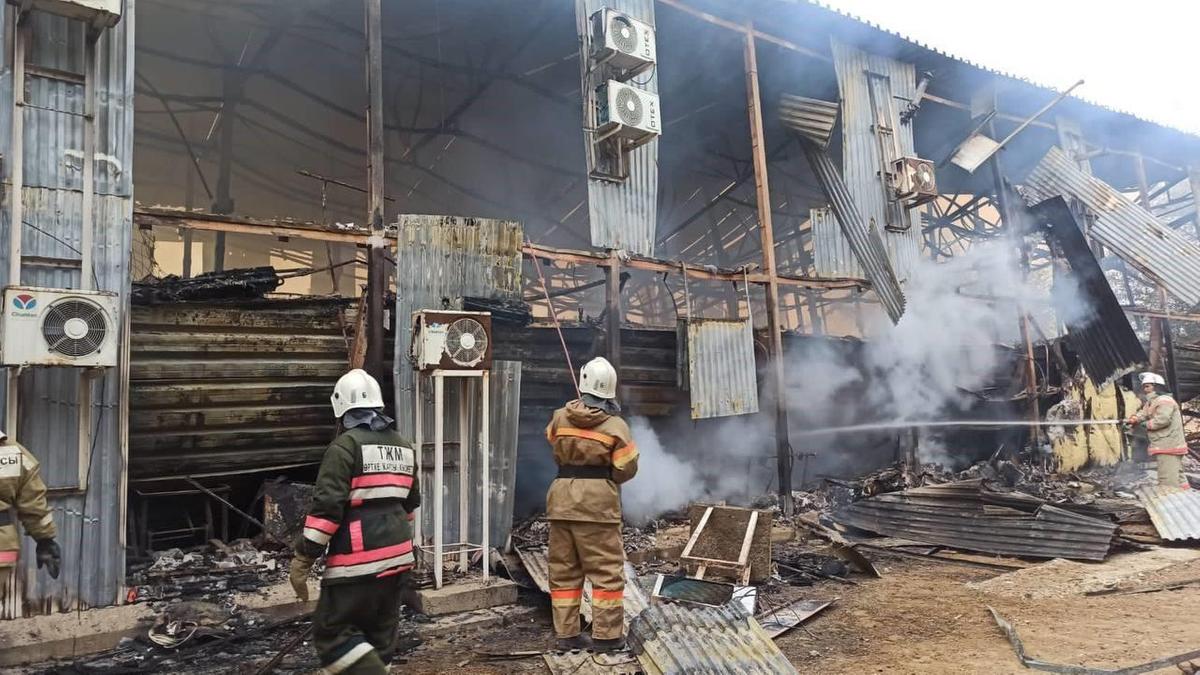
[
  {"x": 1164, "y": 425},
  {"x": 595, "y": 453},
  {"x": 22, "y": 491}
]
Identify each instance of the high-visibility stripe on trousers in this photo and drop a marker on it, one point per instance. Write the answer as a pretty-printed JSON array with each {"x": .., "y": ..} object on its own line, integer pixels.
[{"x": 591, "y": 551}]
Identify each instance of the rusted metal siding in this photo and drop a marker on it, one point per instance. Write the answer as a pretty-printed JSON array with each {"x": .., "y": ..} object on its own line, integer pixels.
[
  {"x": 721, "y": 368},
  {"x": 91, "y": 526},
  {"x": 1132, "y": 232},
  {"x": 1174, "y": 512},
  {"x": 224, "y": 388},
  {"x": 621, "y": 215},
  {"x": 1099, "y": 333},
  {"x": 667, "y": 638},
  {"x": 1187, "y": 369},
  {"x": 861, "y": 161}
]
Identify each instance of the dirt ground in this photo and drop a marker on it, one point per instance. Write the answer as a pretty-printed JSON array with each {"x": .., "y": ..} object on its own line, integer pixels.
[
  {"x": 920, "y": 617},
  {"x": 926, "y": 617}
]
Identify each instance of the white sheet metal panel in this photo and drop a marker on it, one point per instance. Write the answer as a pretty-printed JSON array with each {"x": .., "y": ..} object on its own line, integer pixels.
[
  {"x": 1175, "y": 512},
  {"x": 861, "y": 161},
  {"x": 622, "y": 215},
  {"x": 721, "y": 369},
  {"x": 1131, "y": 231},
  {"x": 831, "y": 249},
  {"x": 91, "y": 526}
]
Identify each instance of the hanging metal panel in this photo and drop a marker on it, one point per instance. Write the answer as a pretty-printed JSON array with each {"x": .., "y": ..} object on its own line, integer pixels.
[
  {"x": 872, "y": 86},
  {"x": 1098, "y": 332},
  {"x": 623, "y": 215},
  {"x": 91, "y": 525},
  {"x": 1131, "y": 231},
  {"x": 721, "y": 368}
]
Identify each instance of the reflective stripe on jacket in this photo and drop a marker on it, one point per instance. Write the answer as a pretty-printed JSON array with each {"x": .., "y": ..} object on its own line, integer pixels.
[
  {"x": 1164, "y": 425},
  {"x": 23, "y": 492},
  {"x": 365, "y": 494},
  {"x": 583, "y": 436}
]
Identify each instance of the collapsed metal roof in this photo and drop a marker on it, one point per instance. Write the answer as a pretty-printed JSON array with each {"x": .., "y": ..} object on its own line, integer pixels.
[
  {"x": 1102, "y": 337},
  {"x": 1175, "y": 512},
  {"x": 966, "y": 515},
  {"x": 1144, "y": 241},
  {"x": 672, "y": 638}
]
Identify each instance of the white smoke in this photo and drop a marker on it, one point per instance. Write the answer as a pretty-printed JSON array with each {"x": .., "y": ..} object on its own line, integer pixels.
[{"x": 664, "y": 481}]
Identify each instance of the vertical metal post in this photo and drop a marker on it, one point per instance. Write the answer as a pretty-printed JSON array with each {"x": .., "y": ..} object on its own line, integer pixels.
[
  {"x": 439, "y": 409},
  {"x": 376, "y": 281},
  {"x": 17, "y": 151},
  {"x": 783, "y": 450},
  {"x": 485, "y": 467},
  {"x": 91, "y": 42},
  {"x": 464, "y": 471},
  {"x": 615, "y": 310},
  {"x": 419, "y": 442},
  {"x": 1158, "y": 326}
]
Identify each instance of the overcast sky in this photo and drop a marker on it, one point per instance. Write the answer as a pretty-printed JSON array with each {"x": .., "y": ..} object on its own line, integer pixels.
[{"x": 1135, "y": 56}]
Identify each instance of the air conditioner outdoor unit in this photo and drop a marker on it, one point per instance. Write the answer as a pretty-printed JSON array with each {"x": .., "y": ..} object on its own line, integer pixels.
[
  {"x": 623, "y": 42},
  {"x": 55, "y": 327},
  {"x": 627, "y": 112},
  {"x": 102, "y": 13},
  {"x": 914, "y": 180},
  {"x": 452, "y": 340}
]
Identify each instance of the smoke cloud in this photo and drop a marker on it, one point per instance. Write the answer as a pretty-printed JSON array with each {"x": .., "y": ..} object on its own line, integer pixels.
[{"x": 923, "y": 368}]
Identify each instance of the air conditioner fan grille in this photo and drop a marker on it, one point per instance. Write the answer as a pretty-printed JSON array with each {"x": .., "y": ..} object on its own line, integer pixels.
[
  {"x": 629, "y": 107},
  {"x": 466, "y": 342},
  {"x": 624, "y": 34},
  {"x": 74, "y": 328}
]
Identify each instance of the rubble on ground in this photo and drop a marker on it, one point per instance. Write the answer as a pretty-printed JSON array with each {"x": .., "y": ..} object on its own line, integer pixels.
[{"x": 205, "y": 573}]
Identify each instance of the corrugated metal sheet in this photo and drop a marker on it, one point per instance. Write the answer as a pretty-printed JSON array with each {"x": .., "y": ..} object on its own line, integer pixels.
[
  {"x": 963, "y": 515},
  {"x": 224, "y": 388},
  {"x": 1132, "y": 232},
  {"x": 622, "y": 215},
  {"x": 91, "y": 526},
  {"x": 440, "y": 259},
  {"x": 1175, "y": 512},
  {"x": 809, "y": 117},
  {"x": 861, "y": 163},
  {"x": 1099, "y": 333},
  {"x": 673, "y": 639},
  {"x": 721, "y": 368},
  {"x": 1187, "y": 369},
  {"x": 862, "y": 237}
]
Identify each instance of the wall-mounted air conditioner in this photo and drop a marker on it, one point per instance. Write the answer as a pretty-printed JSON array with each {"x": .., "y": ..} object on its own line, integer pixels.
[
  {"x": 452, "y": 340},
  {"x": 54, "y": 327},
  {"x": 915, "y": 180},
  {"x": 627, "y": 112},
  {"x": 102, "y": 13},
  {"x": 622, "y": 42}
]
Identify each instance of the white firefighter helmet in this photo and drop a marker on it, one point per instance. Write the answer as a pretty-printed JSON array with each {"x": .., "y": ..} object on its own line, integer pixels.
[
  {"x": 598, "y": 378},
  {"x": 355, "y": 389},
  {"x": 1152, "y": 378}
]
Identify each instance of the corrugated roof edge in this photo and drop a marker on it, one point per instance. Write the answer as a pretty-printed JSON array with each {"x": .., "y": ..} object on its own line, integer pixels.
[{"x": 978, "y": 66}]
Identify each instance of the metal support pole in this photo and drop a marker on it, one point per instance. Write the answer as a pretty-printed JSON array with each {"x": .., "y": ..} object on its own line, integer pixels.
[
  {"x": 464, "y": 472},
  {"x": 1158, "y": 337},
  {"x": 485, "y": 467},
  {"x": 376, "y": 282},
  {"x": 91, "y": 40},
  {"x": 419, "y": 441},
  {"x": 17, "y": 151},
  {"x": 439, "y": 409},
  {"x": 615, "y": 310},
  {"x": 783, "y": 450}
]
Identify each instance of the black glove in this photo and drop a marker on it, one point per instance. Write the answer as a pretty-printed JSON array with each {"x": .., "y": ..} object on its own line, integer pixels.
[{"x": 50, "y": 555}]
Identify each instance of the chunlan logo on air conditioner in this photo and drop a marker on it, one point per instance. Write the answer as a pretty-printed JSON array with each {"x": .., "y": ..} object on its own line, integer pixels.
[{"x": 25, "y": 301}]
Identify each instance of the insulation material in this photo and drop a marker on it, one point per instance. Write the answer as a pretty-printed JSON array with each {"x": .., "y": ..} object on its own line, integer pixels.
[
  {"x": 721, "y": 369},
  {"x": 1095, "y": 445},
  {"x": 1142, "y": 240},
  {"x": 622, "y": 214},
  {"x": 873, "y": 90}
]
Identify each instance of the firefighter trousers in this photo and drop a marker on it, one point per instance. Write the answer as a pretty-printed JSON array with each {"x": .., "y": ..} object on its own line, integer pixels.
[
  {"x": 1170, "y": 470},
  {"x": 354, "y": 626},
  {"x": 590, "y": 551}
]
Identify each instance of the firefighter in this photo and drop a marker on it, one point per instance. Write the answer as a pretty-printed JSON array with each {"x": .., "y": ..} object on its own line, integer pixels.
[
  {"x": 363, "y": 503},
  {"x": 1164, "y": 425},
  {"x": 22, "y": 489},
  {"x": 595, "y": 453}
]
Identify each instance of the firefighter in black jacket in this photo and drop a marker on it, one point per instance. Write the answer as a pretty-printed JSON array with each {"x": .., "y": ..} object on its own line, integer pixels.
[{"x": 364, "y": 500}]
